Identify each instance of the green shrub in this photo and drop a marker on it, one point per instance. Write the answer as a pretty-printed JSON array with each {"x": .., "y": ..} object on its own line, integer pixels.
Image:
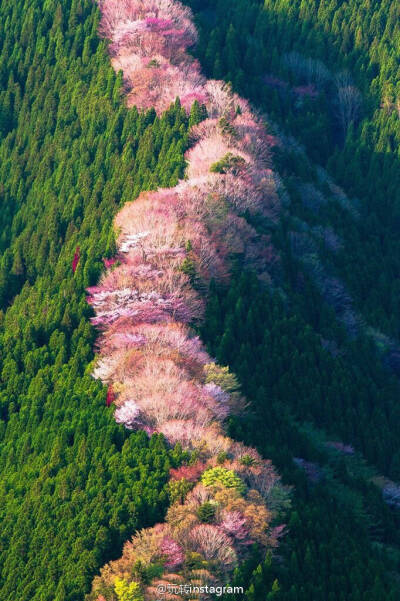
[
  {"x": 221, "y": 475},
  {"x": 229, "y": 162},
  {"x": 206, "y": 512}
]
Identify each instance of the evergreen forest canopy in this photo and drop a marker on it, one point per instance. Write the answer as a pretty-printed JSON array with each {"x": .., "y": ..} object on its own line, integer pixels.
[{"x": 74, "y": 485}]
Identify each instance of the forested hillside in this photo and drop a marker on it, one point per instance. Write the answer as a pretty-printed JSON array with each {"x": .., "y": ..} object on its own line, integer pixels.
[
  {"x": 310, "y": 326},
  {"x": 74, "y": 485}
]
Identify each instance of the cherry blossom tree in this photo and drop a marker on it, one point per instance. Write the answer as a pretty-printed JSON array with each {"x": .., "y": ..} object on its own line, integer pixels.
[
  {"x": 214, "y": 544},
  {"x": 172, "y": 551},
  {"x": 128, "y": 414},
  {"x": 109, "y": 262},
  {"x": 191, "y": 473},
  {"x": 234, "y": 525}
]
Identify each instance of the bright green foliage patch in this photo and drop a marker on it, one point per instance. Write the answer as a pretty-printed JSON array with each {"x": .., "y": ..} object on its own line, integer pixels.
[
  {"x": 127, "y": 592},
  {"x": 221, "y": 475}
]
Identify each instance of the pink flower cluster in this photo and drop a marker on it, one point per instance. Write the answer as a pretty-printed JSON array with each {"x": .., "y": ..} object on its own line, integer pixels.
[
  {"x": 148, "y": 41},
  {"x": 168, "y": 240},
  {"x": 171, "y": 243},
  {"x": 313, "y": 471}
]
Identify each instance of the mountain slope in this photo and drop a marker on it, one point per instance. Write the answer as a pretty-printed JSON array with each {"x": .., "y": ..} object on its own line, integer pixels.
[{"x": 74, "y": 485}]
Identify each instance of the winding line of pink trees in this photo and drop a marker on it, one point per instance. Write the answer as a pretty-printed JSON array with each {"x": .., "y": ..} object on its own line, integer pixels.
[{"x": 171, "y": 243}]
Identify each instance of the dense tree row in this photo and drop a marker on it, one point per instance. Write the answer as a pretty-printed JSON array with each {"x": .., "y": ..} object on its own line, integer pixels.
[{"x": 171, "y": 243}]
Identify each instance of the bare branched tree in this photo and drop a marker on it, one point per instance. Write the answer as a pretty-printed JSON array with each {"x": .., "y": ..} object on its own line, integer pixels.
[{"x": 348, "y": 102}]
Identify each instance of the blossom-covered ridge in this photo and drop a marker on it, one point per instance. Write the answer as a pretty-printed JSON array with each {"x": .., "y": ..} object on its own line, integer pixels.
[{"x": 171, "y": 244}]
